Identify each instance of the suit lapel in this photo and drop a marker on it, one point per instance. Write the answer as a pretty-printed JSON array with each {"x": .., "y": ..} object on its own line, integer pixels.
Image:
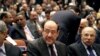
[
  {"x": 58, "y": 50},
  {"x": 21, "y": 32},
  {"x": 31, "y": 26},
  {"x": 82, "y": 49},
  {"x": 43, "y": 47},
  {"x": 7, "y": 49},
  {"x": 95, "y": 47}
]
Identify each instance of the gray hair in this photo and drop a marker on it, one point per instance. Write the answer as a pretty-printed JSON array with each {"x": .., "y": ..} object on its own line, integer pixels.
[{"x": 3, "y": 27}]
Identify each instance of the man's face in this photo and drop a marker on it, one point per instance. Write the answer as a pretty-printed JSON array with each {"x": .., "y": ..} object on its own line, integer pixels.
[
  {"x": 88, "y": 36},
  {"x": 3, "y": 35},
  {"x": 21, "y": 21},
  {"x": 33, "y": 16},
  {"x": 9, "y": 18},
  {"x": 50, "y": 32},
  {"x": 39, "y": 9}
]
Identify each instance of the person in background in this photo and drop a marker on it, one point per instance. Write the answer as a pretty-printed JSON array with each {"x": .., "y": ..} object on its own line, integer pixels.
[
  {"x": 83, "y": 24},
  {"x": 32, "y": 23},
  {"x": 68, "y": 22},
  {"x": 7, "y": 49}
]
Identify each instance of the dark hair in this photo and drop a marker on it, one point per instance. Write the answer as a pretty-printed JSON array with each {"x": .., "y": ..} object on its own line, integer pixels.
[
  {"x": 76, "y": 9},
  {"x": 97, "y": 21},
  {"x": 4, "y": 14},
  {"x": 42, "y": 25}
]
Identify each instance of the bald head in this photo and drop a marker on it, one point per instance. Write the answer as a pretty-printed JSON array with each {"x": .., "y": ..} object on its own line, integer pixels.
[
  {"x": 83, "y": 23},
  {"x": 88, "y": 36},
  {"x": 50, "y": 32},
  {"x": 51, "y": 23},
  {"x": 3, "y": 27},
  {"x": 90, "y": 29}
]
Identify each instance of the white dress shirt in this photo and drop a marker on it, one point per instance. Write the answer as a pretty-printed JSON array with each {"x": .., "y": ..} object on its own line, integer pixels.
[{"x": 28, "y": 34}]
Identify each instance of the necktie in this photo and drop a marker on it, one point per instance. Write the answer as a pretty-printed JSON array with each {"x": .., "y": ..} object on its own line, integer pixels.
[
  {"x": 52, "y": 50},
  {"x": 1, "y": 50},
  {"x": 90, "y": 51}
]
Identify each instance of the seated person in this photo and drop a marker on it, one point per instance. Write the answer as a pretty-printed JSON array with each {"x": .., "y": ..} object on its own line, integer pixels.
[
  {"x": 86, "y": 47},
  {"x": 7, "y": 49},
  {"x": 47, "y": 44}
]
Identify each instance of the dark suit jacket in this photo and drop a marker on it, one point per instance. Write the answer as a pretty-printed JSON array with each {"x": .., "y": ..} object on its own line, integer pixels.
[
  {"x": 97, "y": 36},
  {"x": 10, "y": 29},
  {"x": 39, "y": 48},
  {"x": 69, "y": 23},
  {"x": 12, "y": 50},
  {"x": 33, "y": 29},
  {"x": 77, "y": 49},
  {"x": 18, "y": 33}
]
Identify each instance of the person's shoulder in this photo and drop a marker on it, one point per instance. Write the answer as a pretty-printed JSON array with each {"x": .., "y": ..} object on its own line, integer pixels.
[
  {"x": 73, "y": 45},
  {"x": 59, "y": 43},
  {"x": 34, "y": 42},
  {"x": 10, "y": 45},
  {"x": 27, "y": 21},
  {"x": 97, "y": 45}
]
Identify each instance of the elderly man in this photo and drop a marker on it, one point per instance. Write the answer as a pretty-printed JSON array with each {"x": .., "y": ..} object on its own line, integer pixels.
[
  {"x": 7, "y": 49},
  {"x": 47, "y": 44},
  {"x": 86, "y": 47}
]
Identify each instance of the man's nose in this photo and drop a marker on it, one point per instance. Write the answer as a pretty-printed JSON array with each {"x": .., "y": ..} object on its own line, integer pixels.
[{"x": 49, "y": 34}]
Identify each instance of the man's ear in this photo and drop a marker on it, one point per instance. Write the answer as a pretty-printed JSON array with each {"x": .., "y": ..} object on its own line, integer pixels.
[
  {"x": 58, "y": 33},
  {"x": 6, "y": 33}
]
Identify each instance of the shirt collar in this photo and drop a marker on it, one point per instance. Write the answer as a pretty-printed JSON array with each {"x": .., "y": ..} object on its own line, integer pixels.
[
  {"x": 3, "y": 48},
  {"x": 25, "y": 27},
  {"x": 85, "y": 45}
]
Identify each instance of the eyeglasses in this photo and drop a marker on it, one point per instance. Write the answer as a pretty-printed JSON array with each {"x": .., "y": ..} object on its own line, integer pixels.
[{"x": 50, "y": 31}]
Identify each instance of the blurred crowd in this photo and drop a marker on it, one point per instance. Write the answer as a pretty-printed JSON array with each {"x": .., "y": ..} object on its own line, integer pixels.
[
  {"x": 24, "y": 18},
  {"x": 18, "y": 14}
]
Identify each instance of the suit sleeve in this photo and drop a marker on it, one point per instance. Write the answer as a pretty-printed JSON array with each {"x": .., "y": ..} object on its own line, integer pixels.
[
  {"x": 32, "y": 50},
  {"x": 73, "y": 50}
]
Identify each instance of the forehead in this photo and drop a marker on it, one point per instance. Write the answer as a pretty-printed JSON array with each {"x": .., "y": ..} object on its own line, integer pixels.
[
  {"x": 20, "y": 16},
  {"x": 38, "y": 7},
  {"x": 9, "y": 14},
  {"x": 88, "y": 31},
  {"x": 51, "y": 25},
  {"x": 33, "y": 13}
]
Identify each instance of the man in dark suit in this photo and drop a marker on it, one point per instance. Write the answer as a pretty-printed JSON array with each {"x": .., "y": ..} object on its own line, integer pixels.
[
  {"x": 86, "y": 47},
  {"x": 41, "y": 46},
  {"x": 5, "y": 48},
  {"x": 7, "y": 18},
  {"x": 23, "y": 30},
  {"x": 32, "y": 24},
  {"x": 69, "y": 23},
  {"x": 18, "y": 32}
]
